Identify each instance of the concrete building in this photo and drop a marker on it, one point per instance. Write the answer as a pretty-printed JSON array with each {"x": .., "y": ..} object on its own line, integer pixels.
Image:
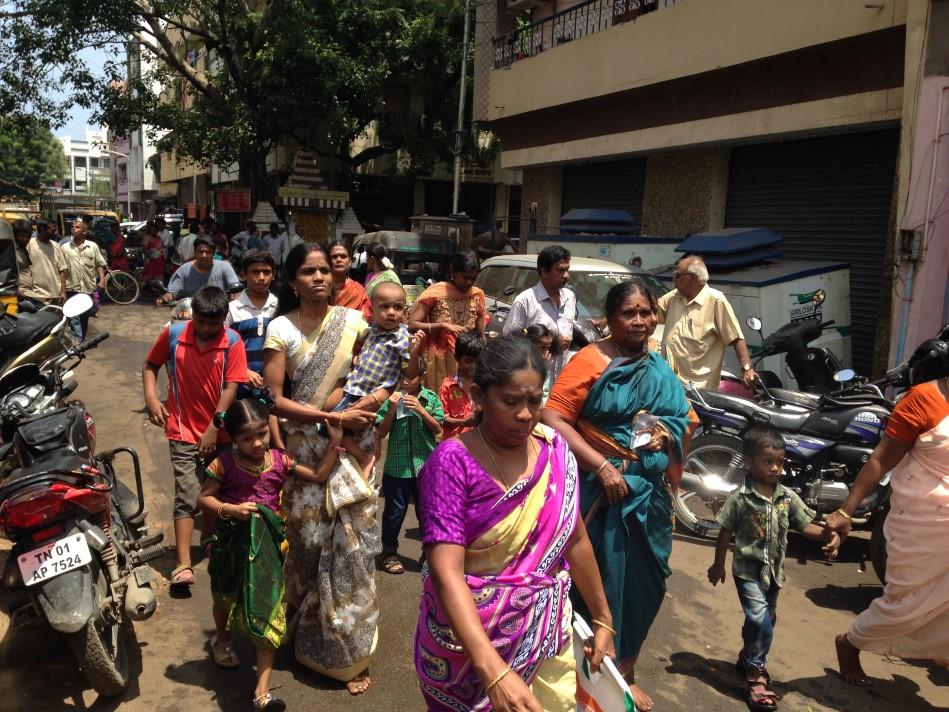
[
  {"x": 90, "y": 165},
  {"x": 810, "y": 118}
]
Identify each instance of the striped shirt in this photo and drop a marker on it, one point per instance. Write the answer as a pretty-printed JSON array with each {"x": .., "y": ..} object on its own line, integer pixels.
[{"x": 251, "y": 323}]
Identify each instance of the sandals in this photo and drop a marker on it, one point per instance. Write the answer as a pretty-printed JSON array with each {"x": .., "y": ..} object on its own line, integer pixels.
[
  {"x": 742, "y": 666},
  {"x": 269, "y": 703},
  {"x": 182, "y": 576},
  {"x": 392, "y": 565},
  {"x": 224, "y": 655},
  {"x": 757, "y": 694}
]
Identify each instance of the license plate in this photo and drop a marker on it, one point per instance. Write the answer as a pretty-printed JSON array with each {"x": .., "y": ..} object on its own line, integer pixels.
[{"x": 54, "y": 559}]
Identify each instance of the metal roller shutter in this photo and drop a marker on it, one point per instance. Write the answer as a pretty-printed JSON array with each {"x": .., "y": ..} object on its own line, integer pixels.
[
  {"x": 611, "y": 184},
  {"x": 829, "y": 198}
]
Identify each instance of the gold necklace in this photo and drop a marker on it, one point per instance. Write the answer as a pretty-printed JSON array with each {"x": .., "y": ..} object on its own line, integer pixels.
[
  {"x": 495, "y": 462},
  {"x": 253, "y": 469}
]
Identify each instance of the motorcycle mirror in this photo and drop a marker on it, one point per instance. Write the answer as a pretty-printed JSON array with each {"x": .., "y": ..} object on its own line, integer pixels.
[
  {"x": 76, "y": 305},
  {"x": 753, "y": 323},
  {"x": 845, "y": 375}
]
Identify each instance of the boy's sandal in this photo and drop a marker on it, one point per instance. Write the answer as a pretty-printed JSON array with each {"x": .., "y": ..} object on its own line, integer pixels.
[
  {"x": 224, "y": 655},
  {"x": 269, "y": 703},
  {"x": 182, "y": 576},
  {"x": 742, "y": 666},
  {"x": 392, "y": 565},
  {"x": 757, "y": 694}
]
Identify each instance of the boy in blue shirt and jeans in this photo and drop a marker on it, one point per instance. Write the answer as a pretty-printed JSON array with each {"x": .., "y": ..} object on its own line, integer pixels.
[{"x": 759, "y": 514}]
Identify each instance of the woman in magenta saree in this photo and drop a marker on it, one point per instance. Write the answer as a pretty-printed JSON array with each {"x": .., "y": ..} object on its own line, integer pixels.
[{"x": 503, "y": 538}]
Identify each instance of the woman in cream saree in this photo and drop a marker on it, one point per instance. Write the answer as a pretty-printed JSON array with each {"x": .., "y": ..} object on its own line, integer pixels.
[{"x": 332, "y": 529}]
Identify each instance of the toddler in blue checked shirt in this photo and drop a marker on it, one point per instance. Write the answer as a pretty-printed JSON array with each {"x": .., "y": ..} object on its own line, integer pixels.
[{"x": 387, "y": 353}]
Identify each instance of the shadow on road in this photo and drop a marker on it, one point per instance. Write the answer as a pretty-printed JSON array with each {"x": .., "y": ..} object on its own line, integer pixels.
[
  {"x": 828, "y": 690},
  {"x": 25, "y": 648},
  {"x": 842, "y": 598}
]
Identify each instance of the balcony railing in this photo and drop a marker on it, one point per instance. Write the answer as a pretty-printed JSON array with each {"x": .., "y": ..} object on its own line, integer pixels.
[{"x": 568, "y": 25}]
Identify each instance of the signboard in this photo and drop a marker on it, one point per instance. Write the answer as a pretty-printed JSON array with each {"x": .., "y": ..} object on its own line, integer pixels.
[
  {"x": 310, "y": 193},
  {"x": 233, "y": 201}
]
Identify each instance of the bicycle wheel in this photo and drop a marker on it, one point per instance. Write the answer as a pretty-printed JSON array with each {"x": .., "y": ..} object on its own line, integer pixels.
[{"x": 121, "y": 287}]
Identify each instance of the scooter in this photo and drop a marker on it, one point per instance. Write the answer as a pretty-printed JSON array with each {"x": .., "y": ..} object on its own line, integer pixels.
[
  {"x": 39, "y": 337},
  {"x": 80, "y": 542},
  {"x": 813, "y": 367}
]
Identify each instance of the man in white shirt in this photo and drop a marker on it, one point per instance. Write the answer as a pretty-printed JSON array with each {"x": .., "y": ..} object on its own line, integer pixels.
[
  {"x": 276, "y": 243},
  {"x": 167, "y": 239},
  {"x": 548, "y": 302}
]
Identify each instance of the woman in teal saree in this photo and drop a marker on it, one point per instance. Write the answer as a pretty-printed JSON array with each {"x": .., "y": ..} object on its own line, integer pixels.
[{"x": 624, "y": 494}]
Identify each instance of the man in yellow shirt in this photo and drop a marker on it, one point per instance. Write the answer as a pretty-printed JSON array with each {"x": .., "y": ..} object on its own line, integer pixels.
[
  {"x": 85, "y": 274},
  {"x": 700, "y": 323}
]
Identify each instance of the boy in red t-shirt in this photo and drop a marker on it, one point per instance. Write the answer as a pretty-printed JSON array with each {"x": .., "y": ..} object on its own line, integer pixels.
[
  {"x": 454, "y": 391},
  {"x": 205, "y": 361}
]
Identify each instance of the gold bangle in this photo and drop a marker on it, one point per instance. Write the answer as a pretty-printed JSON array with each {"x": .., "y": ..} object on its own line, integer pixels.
[
  {"x": 602, "y": 465},
  {"x": 843, "y": 514},
  {"x": 220, "y": 512},
  {"x": 601, "y": 624},
  {"x": 495, "y": 681},
  {"x": 340, "y": 426}
]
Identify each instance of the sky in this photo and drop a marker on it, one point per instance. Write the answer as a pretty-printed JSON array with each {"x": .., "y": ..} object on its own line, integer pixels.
[{"x": 76, "y": 127}]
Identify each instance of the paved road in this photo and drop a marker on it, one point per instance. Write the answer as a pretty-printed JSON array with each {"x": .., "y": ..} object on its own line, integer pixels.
[{"x": 687, "y": 662}]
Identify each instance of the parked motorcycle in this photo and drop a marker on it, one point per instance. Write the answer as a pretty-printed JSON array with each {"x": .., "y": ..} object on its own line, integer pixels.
[
  {"x": 41, "y": 336},
  {"x": 813, "y": 367},
  {"x": 80, "y": 542},
  {"x": 828, "y": 438}
]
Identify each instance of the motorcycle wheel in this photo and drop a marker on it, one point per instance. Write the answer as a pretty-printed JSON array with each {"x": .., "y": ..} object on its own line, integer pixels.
[
  {"x": 878, "y": 545},
  {"x": 100, "y": 650},
  {"x": 121, "y": 288},
  {"x": 711, "y": 454}
]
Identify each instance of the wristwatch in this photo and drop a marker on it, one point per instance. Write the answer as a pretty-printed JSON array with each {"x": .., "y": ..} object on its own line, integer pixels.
[
  {"x": 746, "y": 367},
  {"x": 218, "y": 420}
]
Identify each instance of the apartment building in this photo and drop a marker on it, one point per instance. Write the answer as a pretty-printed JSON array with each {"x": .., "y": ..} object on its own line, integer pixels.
[
  {"x": 90, "y": 165},
  {"x": 811, "y": 118}
]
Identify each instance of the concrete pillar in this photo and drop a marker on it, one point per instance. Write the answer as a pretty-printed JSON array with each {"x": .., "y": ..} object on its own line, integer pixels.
[
  {"x": 685, "y": 192},
  {"x": 541, "y": 200},
  {"x": 418, "y": 197}
]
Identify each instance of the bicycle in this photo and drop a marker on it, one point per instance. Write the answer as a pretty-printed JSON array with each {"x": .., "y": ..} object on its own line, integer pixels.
[{"x": 120, "y": 287}]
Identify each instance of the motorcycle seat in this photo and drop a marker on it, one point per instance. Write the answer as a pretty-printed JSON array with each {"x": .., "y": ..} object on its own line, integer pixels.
[
  {"x": 805, "y": 400},
  {"x": 786, "y": 419},
  {"x": 28, "y": 328},
  {"x": 58, "y": 460}
]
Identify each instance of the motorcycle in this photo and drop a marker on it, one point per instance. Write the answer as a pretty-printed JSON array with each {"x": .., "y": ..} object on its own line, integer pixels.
[
  {"x": 80, "y": 542},
  {"x": 828, "y": 438},
  {"x": 41, "y": 336},
  {"x": 813, "y": 367}
]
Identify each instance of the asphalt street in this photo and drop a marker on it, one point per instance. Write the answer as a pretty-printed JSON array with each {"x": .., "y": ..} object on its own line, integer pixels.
[{"x": 688, "y": 661}]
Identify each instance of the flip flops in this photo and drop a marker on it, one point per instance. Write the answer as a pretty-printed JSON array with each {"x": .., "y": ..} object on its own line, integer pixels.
[
  {"x": 224, "y": 655},
  {"x": 182, "y": 576},
  {"x": 392, "y": 565},
  {"x": 757, "y": 694},
  {"x": 269, "y": 703}
]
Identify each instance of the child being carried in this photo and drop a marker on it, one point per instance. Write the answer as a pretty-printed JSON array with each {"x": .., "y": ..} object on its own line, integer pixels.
[{"x": 388, "y": 354}]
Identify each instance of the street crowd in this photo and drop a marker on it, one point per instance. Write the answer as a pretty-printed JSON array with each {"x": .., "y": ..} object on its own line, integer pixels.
[{"x": 540, "y": 475}]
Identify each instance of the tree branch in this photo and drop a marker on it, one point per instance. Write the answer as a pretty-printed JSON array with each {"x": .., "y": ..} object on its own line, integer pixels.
[{"x": 165, "y": 51}]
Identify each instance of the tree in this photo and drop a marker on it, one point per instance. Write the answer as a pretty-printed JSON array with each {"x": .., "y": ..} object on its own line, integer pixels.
[
  {"x": 30, "y": 156},
  {"x": 237, "y": 77}
]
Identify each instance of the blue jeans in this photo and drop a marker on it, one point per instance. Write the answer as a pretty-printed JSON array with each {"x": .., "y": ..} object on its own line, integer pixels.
[
  {"x": 760, "y": 607},
  {"x": 398, "y": 492},
  {"x": 80, "y": 324}
]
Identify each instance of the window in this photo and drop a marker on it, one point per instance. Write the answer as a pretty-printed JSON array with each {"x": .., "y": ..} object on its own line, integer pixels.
[
  {"x": 93, "y": 162},
  {"x": 106, "y": 162},
  {"x": 79, "y": 161}
]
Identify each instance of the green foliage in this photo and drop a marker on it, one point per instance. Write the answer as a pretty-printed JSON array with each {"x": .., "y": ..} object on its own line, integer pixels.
[
  {"x": 309, "y": 72},
  {"x": 30, "y": 156}
]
